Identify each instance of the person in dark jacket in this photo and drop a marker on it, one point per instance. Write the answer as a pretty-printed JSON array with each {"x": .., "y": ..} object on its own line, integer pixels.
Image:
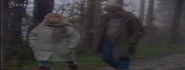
[{"x": 117, "y": 35}]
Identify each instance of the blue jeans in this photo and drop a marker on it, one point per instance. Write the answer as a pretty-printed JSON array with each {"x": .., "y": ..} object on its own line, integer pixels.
[
  {"x": 107, "y": 57},
  {"x": 46, "y": 63}
]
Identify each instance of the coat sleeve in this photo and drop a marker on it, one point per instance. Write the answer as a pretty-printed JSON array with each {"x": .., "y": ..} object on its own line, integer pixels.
[
  {"x": 32, "y": 37},
  {"x": 73, "y": 39},
  {"x": 137, "y": 31}
]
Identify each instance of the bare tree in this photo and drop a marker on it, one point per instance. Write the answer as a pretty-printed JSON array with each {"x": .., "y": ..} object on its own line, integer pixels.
[
  {"x": 98, "y": 10},
  {"x": 82, "y": 10},
  {"x": 4, "y": 24},
  {"x": 149, "y": 17},
  {"x": 175, "y": 21},
  {"x": 88, "y": 25},
  {"x": 142, "y": 9},
  {"x": 13, "y": 11},
  {"x": 41, "y": 8},
  {"x": 17, "y": 10}
]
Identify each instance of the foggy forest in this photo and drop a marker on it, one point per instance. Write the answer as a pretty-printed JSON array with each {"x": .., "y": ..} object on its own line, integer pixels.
[{"x": 162, "y": 46}]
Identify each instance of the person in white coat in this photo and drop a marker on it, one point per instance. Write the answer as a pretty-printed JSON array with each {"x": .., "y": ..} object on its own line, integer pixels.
[{"x": 54, "y": 40}]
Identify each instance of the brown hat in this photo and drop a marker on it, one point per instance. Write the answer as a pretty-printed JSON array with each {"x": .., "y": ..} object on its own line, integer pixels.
[{"x": 113, "y": 7}]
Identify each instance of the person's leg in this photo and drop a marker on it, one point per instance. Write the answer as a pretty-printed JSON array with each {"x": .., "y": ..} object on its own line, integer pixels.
[
  {"x": 72, "y": 65},
  {"x": 123, "y": 63},
  {"x": 107, "y": 54},
  {"x": 44, "y": 65}
]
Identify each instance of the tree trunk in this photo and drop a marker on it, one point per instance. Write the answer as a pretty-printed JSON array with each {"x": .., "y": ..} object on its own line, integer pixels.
[
  {"x": 17, "y": 11},
  {"x": 16, "y": 20},
  {"x": 4, "y": 24},
  {"x": 175, "y": 21},
  {"x": 82, "y": 14},
  {"x": 97, "y": 10},
  {"x": 142, "y": 10},
  {"x": 11, "y": 27},
  {"x": 149, "y": 17},
  {"x": 41, "y": 9},
  {"x": 88, "y": 25}
]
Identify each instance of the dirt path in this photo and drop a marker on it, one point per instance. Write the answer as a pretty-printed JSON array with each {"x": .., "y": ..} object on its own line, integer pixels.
[{"x": 170, "y": 62}]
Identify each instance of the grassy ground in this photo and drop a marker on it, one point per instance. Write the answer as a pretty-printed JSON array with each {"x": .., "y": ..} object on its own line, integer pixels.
[
  {"x": 90, "y": 62},
  {"x": 94, "y": 61},
  {"x": 147, "y": 51}
]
